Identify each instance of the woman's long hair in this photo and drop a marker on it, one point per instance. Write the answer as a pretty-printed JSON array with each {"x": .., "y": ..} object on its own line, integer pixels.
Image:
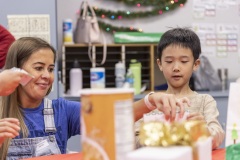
[{"x": 18, "y": 53}]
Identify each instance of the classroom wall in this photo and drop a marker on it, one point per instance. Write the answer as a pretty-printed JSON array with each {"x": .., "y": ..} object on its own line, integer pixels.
[
  {"x": 226, "y": 13},
  {"x": 13, "y": 7}
]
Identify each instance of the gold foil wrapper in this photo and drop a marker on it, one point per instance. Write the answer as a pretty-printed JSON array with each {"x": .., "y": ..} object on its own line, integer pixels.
[{"x": 169, "y": 134}]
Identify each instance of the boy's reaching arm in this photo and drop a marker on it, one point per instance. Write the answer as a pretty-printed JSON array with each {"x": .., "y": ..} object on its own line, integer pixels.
[{"x": 167, "y": 103}]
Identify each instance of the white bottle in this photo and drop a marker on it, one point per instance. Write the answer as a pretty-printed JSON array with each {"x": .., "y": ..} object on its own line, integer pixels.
[
  {"x": 120, "y": 72},
  {"x": 120, "y": 69},
  {"x": 68, "y": 31},
  {"x": 75, "y": 79},
  {"x": 119, "y": 81},
  {"x": 97, "y": 77}
]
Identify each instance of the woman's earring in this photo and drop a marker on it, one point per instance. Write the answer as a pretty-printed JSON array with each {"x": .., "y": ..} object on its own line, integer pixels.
[{"x": 160, "y": 68}]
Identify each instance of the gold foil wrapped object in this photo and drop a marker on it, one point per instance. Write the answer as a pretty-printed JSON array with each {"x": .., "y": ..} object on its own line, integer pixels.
[{"x": 168, "y": 134}]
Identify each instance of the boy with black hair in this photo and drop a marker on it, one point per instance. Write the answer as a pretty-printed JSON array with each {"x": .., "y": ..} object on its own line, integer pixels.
[{"x": 178, "y": 58}]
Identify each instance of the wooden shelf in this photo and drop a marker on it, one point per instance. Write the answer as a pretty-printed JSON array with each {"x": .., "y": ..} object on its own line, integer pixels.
[{"x": 144, "y": 53}]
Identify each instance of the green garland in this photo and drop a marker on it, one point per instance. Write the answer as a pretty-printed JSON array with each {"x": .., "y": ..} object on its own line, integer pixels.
[
  {"x": 159, "y": 7},
  {"x": 163, "y": 7},
  {"x": 146, "y": 2},
  {"x": 109, "y": 28}
]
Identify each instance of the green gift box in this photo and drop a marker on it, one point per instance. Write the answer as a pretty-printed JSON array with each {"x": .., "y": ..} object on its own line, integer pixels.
[
  {"x": 233, "y": 152},
  {"x": 136, "y": 37}
]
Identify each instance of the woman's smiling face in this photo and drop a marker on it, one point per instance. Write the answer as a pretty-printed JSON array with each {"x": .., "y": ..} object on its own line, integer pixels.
[{"x": 40, "y": 65}]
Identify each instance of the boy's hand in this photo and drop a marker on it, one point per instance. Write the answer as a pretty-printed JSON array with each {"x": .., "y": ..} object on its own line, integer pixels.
[{"x": 168, "y": 104}]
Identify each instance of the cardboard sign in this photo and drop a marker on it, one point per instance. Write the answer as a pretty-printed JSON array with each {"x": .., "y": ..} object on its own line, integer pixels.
[{"x": 233, "y": 123}]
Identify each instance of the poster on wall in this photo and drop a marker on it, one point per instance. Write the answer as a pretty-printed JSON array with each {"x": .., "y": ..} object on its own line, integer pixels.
[
  {"x": 209, "y": 8},
  {"x": 31, "y": 25},
  {"x": 220, "y": 38}
]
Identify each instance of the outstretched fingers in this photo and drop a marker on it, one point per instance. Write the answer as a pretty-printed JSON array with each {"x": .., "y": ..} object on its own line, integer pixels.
[{"x": 168, "y": 105}]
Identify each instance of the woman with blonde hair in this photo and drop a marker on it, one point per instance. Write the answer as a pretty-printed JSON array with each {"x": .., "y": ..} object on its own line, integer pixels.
[{"x": 45, "y": 124}]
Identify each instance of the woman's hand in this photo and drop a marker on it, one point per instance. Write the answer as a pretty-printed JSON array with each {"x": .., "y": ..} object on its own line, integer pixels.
[
  {"x": 9, "y": 128},
  {"x": 168, "y": 104},
  {"x": 9, "y": 80}
]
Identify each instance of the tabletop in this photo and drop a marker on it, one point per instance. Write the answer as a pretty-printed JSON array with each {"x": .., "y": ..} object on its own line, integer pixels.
[{"x": 218, "y": 154}]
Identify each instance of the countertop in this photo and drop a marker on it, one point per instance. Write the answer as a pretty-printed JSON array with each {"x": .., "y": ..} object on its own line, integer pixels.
[
  {"x": 218, "y": 154},
  {"x": 215, "y": 94}
]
